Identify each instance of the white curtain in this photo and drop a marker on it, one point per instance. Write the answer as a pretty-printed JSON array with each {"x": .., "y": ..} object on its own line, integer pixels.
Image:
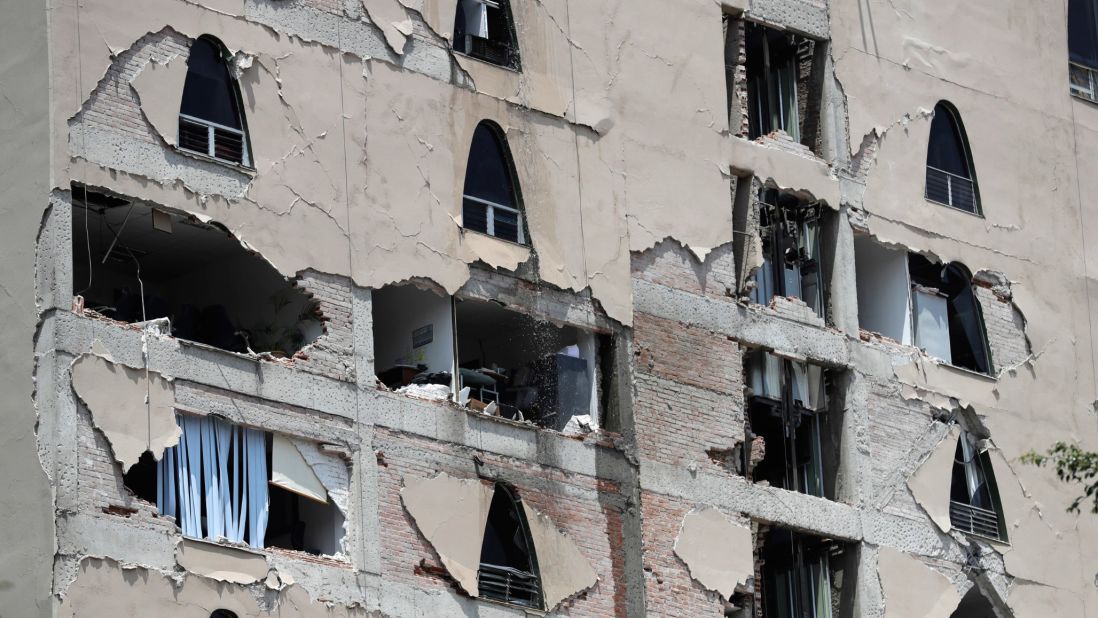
[
  {"x": 219, "y": 473},
  {"x": 808, "y": 385},
  {"x": 766, "y": 374},
  {"x": 476, "y": 18}
]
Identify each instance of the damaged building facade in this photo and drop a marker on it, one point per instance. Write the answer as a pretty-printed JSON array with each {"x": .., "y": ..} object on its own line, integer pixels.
[{"x": 546, "y": 307}]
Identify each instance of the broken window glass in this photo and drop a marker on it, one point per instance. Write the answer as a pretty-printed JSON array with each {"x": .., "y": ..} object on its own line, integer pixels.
[
  {"x": 949, "y": 174},
  {"x": 484, "y": 30},
  {"x": 947, "y": 319},
  {"x": 787, "y": 418},
  {"x": 797, "y": 574},
  {"x": 238, "y": 484},
  {"x": 790, "y": 232},
  {"x": 974, "y": 505},
  {"x": 491, "y": 203},
  {"x": 508, "y": 569},
  {"x": 135, "y": 263},
  {"x": 210, "y": 119},
  {"x": 782, "y": 83}
]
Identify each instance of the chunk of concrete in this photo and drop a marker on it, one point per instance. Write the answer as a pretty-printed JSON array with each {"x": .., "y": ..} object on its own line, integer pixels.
[
  {"x": 564, "y": 571},
  {"x": 227, "y": 564},
  {"x": 717, "y": 551},
  {"x": 931, "y": 482},
  {"x": 912, "y": 589},
  {"x": 134, "y": 408},
  {"x": 451, "y": 513}
]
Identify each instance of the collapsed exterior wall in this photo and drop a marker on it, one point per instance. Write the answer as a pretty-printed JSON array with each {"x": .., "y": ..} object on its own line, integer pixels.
[{"x": 638, "y": 210}]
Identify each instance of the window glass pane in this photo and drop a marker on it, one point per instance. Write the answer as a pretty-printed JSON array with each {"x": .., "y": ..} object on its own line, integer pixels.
[
  {"x": 475, "y": 216},
  {"x": 487, "y": 175},
  {"x": 946, "y": 150},
  {"x": 506, "y": 224},
  {"x": 1082, "y": 38},
  {"x": 209, "y": 92}
]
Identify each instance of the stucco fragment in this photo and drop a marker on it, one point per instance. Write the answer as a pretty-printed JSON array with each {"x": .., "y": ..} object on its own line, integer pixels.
[
  {"x": 290, "y": 471},
  {"x": 393, "y": 20},
  {"x": 1030, "y": 600},
  {"x": 494, "y": 252},
  {"x": 564, "y": 570},
  {"x": 912, "y": 589},
  {"x": 451, "y": 513},
  {"x": 228, "y": 564},
  {"x": 133, "y": 408},
  {"x": 331, "y": 471},
  {"x": 716, "y": 550},
  {"x": 159, "y": 88},
  {"x": 931, "y": 482}
]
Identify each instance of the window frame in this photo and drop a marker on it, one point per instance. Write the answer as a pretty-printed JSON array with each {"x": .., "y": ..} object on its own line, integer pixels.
[
  {"x": 976, "y": 463},
  {"x": 507, "y": 163},
  {"x": 510, "y": 49},
  {"x": 246, "y": 159},
  {"x": 954, "y": 119},
  {"x": 538, "y": 597},
  {"x": 807, "y": 219}
]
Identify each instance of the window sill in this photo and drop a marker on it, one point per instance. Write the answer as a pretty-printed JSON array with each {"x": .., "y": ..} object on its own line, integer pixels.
[
  {"x": 978, "y": 215},
  {"x": 516, "y": 71},
  {"x": 267, "y": 552},
  {"x": 998, "y": 542},
  {"x": 194, "y": 154},
  {"x": 525, "y": 609},
  {"x": 961, "y": 370},
  {"x": 510, "y": 243}
]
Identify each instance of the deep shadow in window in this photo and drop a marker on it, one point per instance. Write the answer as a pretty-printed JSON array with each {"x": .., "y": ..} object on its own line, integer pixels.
[
  {"x": 934, "y": 284},
  {"x": 210, "y": 118},
  {"x": 491, "y": 198},
  {"x": 950, "y": 178},
  {"x": 485, "y": 29},
  {"x": 974, "y": 505},
  {"x": 508, "y": 566}
]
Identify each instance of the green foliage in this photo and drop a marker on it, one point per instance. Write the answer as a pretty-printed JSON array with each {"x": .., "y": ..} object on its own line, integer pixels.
[{"x": 1073, "y": 465}]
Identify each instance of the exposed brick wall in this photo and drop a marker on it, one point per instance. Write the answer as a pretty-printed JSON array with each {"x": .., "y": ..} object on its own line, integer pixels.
[
  {"x": 689, "y": 391},
  {"x": 114, "y": 105},
  {"x": 669, "y": 589},
  {"x": 1005, "y": 329},
  {"x": 587, "y": 510},
  {"x": 332, "y": 354},
  {"x": 670, "y": 264}
]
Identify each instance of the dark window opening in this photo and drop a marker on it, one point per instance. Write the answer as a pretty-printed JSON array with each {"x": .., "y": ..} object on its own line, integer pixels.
[
  {"x": 783, "y": 82},
  {"x": 789, "y": 410},
  {"x": 141, "y": 478},
  {"x": 947, "y": 320},
  {"x": 790, "y": 233},
  {"x": 491, "y": 202},
  {"x": 802, "y": 575},
  {"x": 210, "y": 118},
  {"x": 974, "y": 605},
  {"x": 508, "y": 567},
  {"x": 225, "y": 482},
  {"x": 509, "y": 364},
  {"x": 135, "y": 263},
  {"x": 974, "y": 505},
  {"x": 950, "y": 178},
  {"x": 222, "y": 613},
  {"x": 1083, "y": 48},
  {"x": 484, "y": 29}
]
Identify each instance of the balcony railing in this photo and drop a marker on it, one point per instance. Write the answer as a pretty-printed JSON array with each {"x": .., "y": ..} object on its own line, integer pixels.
[
  {"x": 213, "y": 140},
  {"x": 509, "y": 585},
  {"x": 1084, "y": 81},
  {"x": 974, "y": 520},
  {"x": 950, "y": 189},
  {"x": 493, "y": 219}
]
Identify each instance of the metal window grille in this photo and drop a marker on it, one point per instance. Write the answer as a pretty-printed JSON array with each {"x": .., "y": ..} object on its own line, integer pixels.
[
  {"x": 214, "y": 140},
  {"x": 508, "y": 585},
  {"x": 493, "y": 219},
  {"x": 974, "y": 520},
  {"x": 1084, "y": 81},
  {"x": 950, "y": 189}
]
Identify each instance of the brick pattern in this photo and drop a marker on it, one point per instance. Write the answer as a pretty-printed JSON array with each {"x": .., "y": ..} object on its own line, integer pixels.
[
  {"x": 114, "y": 106},
  {"x": 332, "y": 354},
  {"x": 669, "y": 589},
  {"x": 593, "y": 522},
  {"x": 1005, "y": 329},
  {"x": 688, "y": 391},
  {"x": 672, "y": 265},
  {"x": 735, "y": 67}
]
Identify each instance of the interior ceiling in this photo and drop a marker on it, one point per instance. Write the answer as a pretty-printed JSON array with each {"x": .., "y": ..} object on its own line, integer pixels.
[
  {"x": 478, "y": 315},
  {"x": 165, "y": 255}
]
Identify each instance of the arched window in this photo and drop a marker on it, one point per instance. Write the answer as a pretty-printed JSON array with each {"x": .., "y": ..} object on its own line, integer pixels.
[
  {"x": 485, "y": 30},
  {"x": 948, "y": 322},
  {"x": 950, "y": 177},
  {"x": 508, "y": 566},
  {"x": 974, "y": 505},
  {"x": 210, "y": 118},
  {"x": 222, "y": 613},
  {"x": 491, "y": 197}
]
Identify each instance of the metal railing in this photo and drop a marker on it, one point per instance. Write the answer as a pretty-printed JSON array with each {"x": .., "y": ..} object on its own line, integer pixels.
[
  {"x": 950, "y": 189},
  {"x": 509, "y": 585},
  {"x": 974, "y": 520},
  {"x": 213, "y": 140},
  {"x": 493, "y": 219},
  {"x": 1084, "y": 81}
]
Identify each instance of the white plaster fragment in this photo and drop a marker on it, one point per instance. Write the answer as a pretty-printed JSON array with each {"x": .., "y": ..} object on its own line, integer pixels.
[
  {"x": 159, "y": 89},
  {"x": 932, "y": 481},
  {"x": 331, "y": 471},
  {"x": 716, "y": 550},
  {"x": 564, "y": 570},
  {"x": 228, "y": 564},
  {"x": 912, "y": 589}
]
